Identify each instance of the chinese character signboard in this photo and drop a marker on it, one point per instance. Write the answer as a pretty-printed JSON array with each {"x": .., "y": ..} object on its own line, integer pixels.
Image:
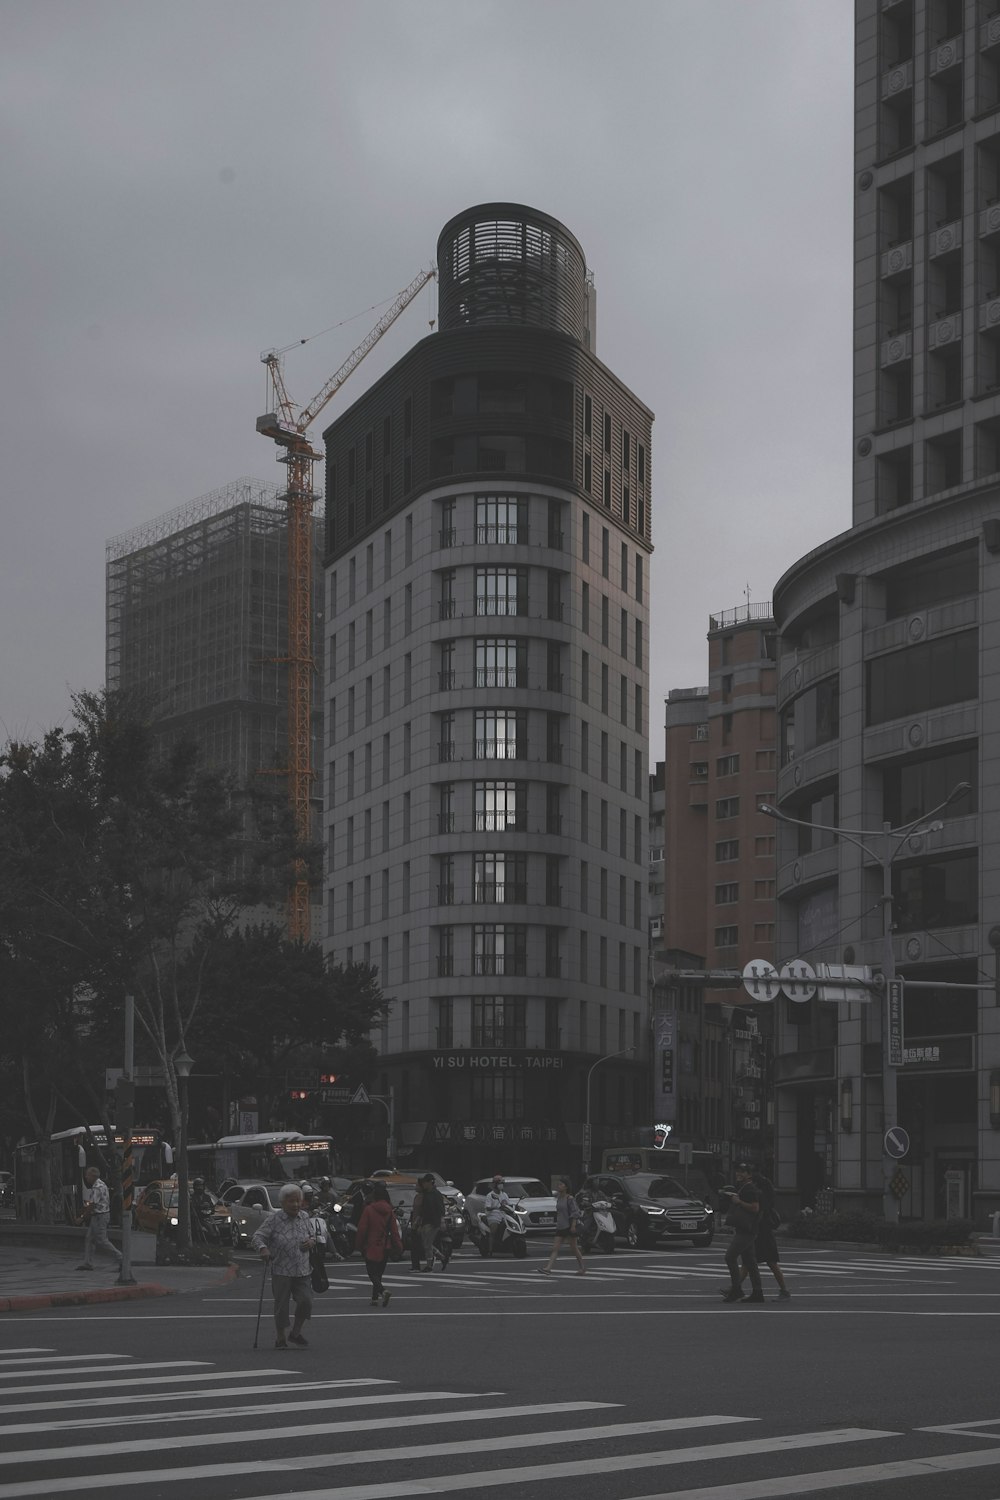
[{"x": 664, "y": 1044}]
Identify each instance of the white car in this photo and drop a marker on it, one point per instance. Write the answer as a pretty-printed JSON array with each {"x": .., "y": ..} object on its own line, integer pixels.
[{"x": 536, "y": 1204}]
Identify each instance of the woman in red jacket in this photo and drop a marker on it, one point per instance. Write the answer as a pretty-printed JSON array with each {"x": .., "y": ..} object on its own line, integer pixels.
[{"x": 377, "y": 1230}]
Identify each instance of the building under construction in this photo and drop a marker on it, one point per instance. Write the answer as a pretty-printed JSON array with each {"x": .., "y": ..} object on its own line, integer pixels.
[{"x": 197, "y": 620}]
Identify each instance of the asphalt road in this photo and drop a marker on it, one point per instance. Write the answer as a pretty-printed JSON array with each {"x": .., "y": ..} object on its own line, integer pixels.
[{"x": 878, "y": 1378}]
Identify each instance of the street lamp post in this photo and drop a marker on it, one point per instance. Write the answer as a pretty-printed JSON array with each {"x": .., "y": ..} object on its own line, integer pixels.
[
  {"x": 586, "y": 1129},
  {"x": 182, "y": 1067},
  {"x": 892, "y": 842}
]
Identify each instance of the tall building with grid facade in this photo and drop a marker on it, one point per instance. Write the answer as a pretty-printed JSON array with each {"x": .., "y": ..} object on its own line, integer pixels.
[
  {"x": 888, "y": 692},
  {"x": 488, "y": 543},
  {"x": 197, "y": 623}
]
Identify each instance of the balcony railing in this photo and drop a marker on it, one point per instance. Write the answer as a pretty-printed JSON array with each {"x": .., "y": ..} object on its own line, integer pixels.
[
  {"x": 500, "y": 964},
  {"x": 446, "y": 750},
  {"x": 503, "y": 892},
  {"x": 446, "y": 822},
  {"x": 446, "y": 895},
  {"x": 492, "y": 605},
  {"x": 446, "y": 681},
  {"x": 501, "y": 677},
  {"x": 501, "y": 822},
  {"x": 447, "y": 537},
  {"x": 498, "y": 1036},
  {"x": 494, "y": 749},
  {"x": 446, "y": 609},
  {"x": 502, "y": 536},
  {"x": 445, "y": 965}
]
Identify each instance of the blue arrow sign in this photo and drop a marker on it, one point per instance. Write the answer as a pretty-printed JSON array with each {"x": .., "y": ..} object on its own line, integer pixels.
[{"x": 897, "y": 1142}]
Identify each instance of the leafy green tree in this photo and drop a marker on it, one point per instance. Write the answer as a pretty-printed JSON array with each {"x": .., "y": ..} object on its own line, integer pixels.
[{"x": 270, "y": 1004}]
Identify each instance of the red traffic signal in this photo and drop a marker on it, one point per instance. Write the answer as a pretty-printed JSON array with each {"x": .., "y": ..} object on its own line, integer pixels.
[
  {"x": 327, "y": 1078},
  {"x": 298, "y": 1093}
]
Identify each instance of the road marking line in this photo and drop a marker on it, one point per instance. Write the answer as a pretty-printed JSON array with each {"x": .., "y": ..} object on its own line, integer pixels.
[
  {"x": 485, "y": 1479},
  {"x": 95, "y": 1385},
  {"x": 290, "y": 1407},
  {"x": 56, "y": 1359},
  {"x": 26, "y": 1408},
  {"x": 306, "y": 1430},
  {"x": 559, "y": 1436},
  {"x": 163, "y": 1364},
  {"x": 799, "y": 1484}
]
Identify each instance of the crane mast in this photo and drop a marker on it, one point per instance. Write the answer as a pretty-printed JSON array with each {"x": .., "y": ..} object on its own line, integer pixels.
[{"x": 288, "y": 428}]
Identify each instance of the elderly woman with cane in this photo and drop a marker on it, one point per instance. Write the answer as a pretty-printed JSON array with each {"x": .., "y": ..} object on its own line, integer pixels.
[{"x": 285, "y": 1238}]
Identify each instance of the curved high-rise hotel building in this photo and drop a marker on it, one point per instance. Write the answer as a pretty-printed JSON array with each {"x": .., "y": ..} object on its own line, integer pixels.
[{"x": 487, "y": 564}]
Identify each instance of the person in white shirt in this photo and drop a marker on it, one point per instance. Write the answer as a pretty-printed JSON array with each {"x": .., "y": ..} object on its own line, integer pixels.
[
  {"x": 97, "y": 1216},
  {"x": 495, "y": 1202}
]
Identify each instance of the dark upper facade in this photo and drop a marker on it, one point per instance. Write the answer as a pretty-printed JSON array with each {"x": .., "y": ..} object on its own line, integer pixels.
[{"x": 509, "y": 386}]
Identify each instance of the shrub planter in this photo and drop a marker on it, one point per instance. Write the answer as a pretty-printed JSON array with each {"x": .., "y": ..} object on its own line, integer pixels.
[
  {"x": 943, "y": 1237},
  {"x": 169, "y": 1254}
]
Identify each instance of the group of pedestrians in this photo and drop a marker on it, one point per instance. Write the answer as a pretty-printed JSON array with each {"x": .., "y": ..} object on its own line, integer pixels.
[{"x": 753, "y": 1220}]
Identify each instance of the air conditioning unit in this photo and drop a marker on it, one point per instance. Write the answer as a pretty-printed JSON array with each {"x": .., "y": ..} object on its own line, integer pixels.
[
  {"x": 896, "y": 349},
  {"x": 898, "y": 258},
  {"x": 945, "y": 55},
  {"x": 898, "y": 79},
  {"x": 947, "y": 331},
  {"x": 656, "y": 927},
  {"x": 945, "y": 239},
  {"x": 989, "y": 316}
]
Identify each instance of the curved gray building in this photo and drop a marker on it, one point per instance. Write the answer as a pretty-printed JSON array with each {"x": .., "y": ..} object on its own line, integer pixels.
[
  {"x": 488, "y": 536},
  {"x": 888, "y": 693}
]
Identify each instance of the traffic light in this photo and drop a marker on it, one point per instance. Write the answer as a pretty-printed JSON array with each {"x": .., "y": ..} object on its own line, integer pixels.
[
  {"x": 328, "y": 1078},
  {"x": 298, "y": 1094}
]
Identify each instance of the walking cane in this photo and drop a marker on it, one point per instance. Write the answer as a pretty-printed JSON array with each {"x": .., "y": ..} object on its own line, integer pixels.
[{"x": 260, "y": 1304}]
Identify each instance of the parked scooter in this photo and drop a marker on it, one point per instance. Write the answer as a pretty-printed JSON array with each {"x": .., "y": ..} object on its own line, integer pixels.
[
  {"x": 508, "y": 1234},
  {"x": 597, "y": 1224},
  {"x": 342, "y": 1231}
]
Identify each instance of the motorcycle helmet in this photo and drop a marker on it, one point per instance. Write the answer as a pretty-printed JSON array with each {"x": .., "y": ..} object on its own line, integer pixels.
[
  {"x": 198, "y": 1184},
  {"x": 498, "y": 1179},
  {"x": 324, "y": 1183},
  {"x": 307, "y": 1189}
]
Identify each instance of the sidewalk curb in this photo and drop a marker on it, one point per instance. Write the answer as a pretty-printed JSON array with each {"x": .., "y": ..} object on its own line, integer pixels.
[{"x": 103, "y": 1294}]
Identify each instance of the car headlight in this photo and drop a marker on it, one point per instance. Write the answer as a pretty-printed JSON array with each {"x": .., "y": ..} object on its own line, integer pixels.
[
  {"x": 706, "y": 1210},
  {"x": 655, "y": 1210},
  {"x": 173, "y": 1223}
]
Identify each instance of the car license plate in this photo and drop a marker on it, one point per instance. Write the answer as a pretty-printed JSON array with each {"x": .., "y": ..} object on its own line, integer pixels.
[
  {"x": 546, "y": 1218},
  {"x": 689, "y": 1223}
]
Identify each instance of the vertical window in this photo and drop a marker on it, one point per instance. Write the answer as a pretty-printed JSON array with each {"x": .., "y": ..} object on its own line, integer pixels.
[
  {"x": 624, "y": 568},
  {"x": 584, "y": 747},
  {"x": 605, "y": 687},
  {"x": 623, "y": 641},
  {"x": 605, "y": 552},
  {"x": 585, "y": 538},
  {"x": 585, "y": 608},
  {"x": 638, "y": 577},
  {"x": 605, "y": 620},
  {"x": 585, "y": 676},
  {"x": 638, "y": 643}
]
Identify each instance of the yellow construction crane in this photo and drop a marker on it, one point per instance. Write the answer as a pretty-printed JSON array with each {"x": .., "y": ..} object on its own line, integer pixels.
[{"x": 288, "y": 428}]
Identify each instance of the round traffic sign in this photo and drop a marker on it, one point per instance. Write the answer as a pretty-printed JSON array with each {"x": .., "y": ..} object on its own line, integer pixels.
[
  {"x": 897, "y": 1142},
  {"x": 798, "y": 980},
  {"x": 760, "y": 980}
]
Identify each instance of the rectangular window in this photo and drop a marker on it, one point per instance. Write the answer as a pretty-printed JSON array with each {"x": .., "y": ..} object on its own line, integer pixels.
[
  {"x": 584, "y": 747},
  {"x": 638, "y": 643},
  {"x": 499, "y": 949},
  {"x": 386, "y": 623},
  {"x": 624, "y": 568},
  {"x": 501, "y": 591},
  {"x": 763, "y": 932},
  {"x": 727, "y": 765},
  {"x": 764, "y": 760},
  {"x": 588, "y": 416},
  {"x": 623, "y": 769},
  {"x": 623, "y": 635},
  {"x": 605, "y": 552},
  {"x": 497, "y": 1096},
  {"x": 584, "y": 818},
  {"x": 500, "y": 878},
  {"x": 585, "y": 538},
  {"x": 607, "y": 432},
  {"x": 607, "y": 489},
  {"x": 604, "y": 893},
  {"x": 498, "y": 1021},
  {"x": 638, "y": 771},
  {"x": 501, "y": 520},
  {"x": 727, "y": 807},
  {"x": 726, "y": 895},
  {"x": 941, "y": 893},
  {"x": 604, "y": 825},
  {"x": 585, "y": 676},
  {"x": 638, "y": 709},
  {"x": 623, "y": 700},
  {"x": 763, "y": 890},
  {"x": 605, "y": 687},
  {"x": 727, "y": 937},
  {"x": 763, "y": 845},
  {"x": 584, "y": 876},
  {"x": 727, "y": 849},
  {"x": 638, "y": 577},
  {"x": 500, "y": 806},
  {"x": 605, "y": 620},
  {"x": 919, "y": 785},
  {"x": 585, "y": 608},
  {"x": 622, "y": 827},
  {"x": 929, "y": 675},
  {"x": 501, "y": 662},
  {"x": 604, "y": 756}
]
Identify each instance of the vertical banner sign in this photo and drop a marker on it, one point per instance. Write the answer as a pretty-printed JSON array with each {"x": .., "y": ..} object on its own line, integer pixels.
[
  {"x": 664, "y": 1041},
  {"x": 895, "y": 1003}
]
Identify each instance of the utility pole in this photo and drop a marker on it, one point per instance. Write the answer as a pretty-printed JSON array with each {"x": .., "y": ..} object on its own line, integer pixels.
[{"x": 125, "y": 1122}]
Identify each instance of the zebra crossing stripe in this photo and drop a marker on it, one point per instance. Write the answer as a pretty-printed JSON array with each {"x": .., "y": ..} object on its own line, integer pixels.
[
  {"x": 148, "y": 1380},
  {"x": 287, "y": 1433},
  {"x": 801, "y": 1484},
  {"x": 22, "y": 1408},
  {"x": 558, "y": 1436},
  {"x": 164, "y": 1364},
  {"x": 290, "y": 1407},
  {"x": 41, "y": 1358}
]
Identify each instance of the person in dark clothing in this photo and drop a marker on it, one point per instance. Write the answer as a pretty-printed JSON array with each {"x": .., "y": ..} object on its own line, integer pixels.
[
  {"x": 743, "y": 1216},
  {"x": 428, "y": 1211},
  {"x": 377, "y": 1230},
  {"x": 765, "y": 1243}
]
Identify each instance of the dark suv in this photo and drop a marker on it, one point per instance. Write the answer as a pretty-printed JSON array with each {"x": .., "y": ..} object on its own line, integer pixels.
[{"x": 648, "y": 1208}]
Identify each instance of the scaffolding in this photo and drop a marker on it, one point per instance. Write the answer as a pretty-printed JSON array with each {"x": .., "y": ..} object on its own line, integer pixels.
[{"x": 197, "y": 623}]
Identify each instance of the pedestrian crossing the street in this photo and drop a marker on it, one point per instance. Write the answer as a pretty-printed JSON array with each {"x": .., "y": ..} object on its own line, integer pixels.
[{"x": 266, "y": 1431}]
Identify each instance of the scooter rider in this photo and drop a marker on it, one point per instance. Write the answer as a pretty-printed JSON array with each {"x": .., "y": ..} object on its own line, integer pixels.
[
  {"x": 495, "y": 1202},
  {"x": 203, "y": 1206}
]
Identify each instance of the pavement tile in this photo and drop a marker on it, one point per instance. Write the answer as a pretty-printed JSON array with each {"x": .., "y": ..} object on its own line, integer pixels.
[{"x": 39, "y": 1276}]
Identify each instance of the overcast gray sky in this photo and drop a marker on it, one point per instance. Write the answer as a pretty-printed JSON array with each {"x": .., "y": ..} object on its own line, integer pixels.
[{"x": 187, "y": 182}]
